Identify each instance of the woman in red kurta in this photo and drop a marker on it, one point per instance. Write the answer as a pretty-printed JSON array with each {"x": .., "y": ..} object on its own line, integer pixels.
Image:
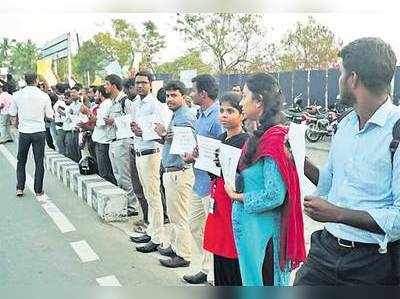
[{"x": 218, "y": 234}]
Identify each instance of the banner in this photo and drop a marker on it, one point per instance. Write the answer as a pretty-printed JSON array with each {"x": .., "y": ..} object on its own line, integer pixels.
[{"x": 44, "y": 70}]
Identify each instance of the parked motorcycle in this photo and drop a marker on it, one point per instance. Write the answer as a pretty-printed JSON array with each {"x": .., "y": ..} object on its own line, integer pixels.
[{"x": 321, "y": 125}]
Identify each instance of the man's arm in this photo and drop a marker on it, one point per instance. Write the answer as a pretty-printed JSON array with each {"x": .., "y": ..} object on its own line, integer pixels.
[
  {"x": 311, "y": 171},
  {"x": 321, "y": 210}
]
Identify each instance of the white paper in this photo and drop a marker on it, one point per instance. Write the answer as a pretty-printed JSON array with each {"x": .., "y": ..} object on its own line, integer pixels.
[
  {"x": 205, "y": 161},
  {"x": 75, "y": 120},
  {"x": 123, "y": 124},
  {"x": 147, "y": 124},
  {"x": 298, "y": 147},
  {"x": 186, "y": 77},
  {"x": 229, "y": 157},
  {"x": 183, "y": 141}
]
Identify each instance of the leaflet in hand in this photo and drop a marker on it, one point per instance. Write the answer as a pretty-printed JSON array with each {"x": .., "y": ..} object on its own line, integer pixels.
[
  {"x": 229, "y": 157},
  {"x": 183, "y": 141},
  {"x": 147, "y": 124},
  {"x": 205, "y": 161},
  {"x": 123, "y": 124},
  {"x": 298, "y": 148}
]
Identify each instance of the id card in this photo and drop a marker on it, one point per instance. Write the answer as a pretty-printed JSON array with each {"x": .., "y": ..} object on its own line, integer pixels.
[{"x": 211, "y": 206}]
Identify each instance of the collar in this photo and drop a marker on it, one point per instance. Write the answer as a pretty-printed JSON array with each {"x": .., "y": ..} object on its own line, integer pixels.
[
  {"x": 381, "y": 115},
  {"x": 210, "y": 109},
  {"x": 120, "y": 96}
]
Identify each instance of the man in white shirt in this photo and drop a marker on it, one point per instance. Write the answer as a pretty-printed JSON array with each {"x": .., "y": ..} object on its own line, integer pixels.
[
  {"x": 100, "y": 135},
  {"x": 32, "y": 107},
  {"x": 119, "y": 146},
  {"x": 147, "y": 111},
  {"x": 72, "y": 119},
  {"x": 59, "y": 118}
]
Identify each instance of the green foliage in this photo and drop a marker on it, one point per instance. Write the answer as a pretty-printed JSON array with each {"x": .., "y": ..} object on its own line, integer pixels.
[
  {"x": 234, "y": 40},
  {"x": 191, "y": 60},
  {"x": 308, "y": 46},
  {"x": 23, "y": 58},
  {"x": 152, "y": 43}
]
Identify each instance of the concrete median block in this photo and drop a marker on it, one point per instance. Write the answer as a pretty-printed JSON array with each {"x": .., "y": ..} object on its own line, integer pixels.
[
  {"x": 58, "y": 166},
  {"x": 111, "y": 204},
  {"x": 89, "y": 186},
  {"x": 64, "y": 172}
]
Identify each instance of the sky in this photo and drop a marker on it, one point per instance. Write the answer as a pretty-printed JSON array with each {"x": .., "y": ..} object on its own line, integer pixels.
[{"x": 41, "y": 26}]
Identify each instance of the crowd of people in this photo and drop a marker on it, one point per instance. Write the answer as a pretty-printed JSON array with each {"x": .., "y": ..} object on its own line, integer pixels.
[{"x": 253, "y": 234}]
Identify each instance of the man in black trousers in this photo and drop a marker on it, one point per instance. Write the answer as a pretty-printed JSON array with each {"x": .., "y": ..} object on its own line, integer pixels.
[{"x": 32, "y": 107}]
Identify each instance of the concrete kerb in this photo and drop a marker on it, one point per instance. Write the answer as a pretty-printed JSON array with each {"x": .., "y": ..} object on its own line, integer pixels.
[{"x": 109, "y": 201}]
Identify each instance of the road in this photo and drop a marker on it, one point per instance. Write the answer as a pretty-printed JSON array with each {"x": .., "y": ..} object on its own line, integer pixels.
[{"x": 64, "y": 243}]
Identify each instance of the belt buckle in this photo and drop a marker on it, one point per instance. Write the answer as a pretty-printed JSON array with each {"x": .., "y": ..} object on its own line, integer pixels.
[{"x": 345, "y": 245}]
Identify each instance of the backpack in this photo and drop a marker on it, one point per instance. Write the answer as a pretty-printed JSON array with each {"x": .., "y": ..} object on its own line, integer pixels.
[{"x": 394, "y": 144}]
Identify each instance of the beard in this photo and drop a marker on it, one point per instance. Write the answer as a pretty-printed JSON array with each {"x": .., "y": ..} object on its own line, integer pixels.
[{"x": 347, "y": 98}]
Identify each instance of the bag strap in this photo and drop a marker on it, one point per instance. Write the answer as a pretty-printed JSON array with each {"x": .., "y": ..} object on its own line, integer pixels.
[
  {"x": 123, "y": 103},
  {"x": 394, "y": 144},
  {"x": 340, "y": 118}
]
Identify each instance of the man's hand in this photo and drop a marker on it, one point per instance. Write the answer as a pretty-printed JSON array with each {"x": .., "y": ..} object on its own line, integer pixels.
[
  {"x": 109, "y": 121},
  {"x": 160, "y": 130},
  {"x": 85, "y": 110},
  {"x": 136, "y": 129},
  {"x": 321, "y": 210},
  {"x": 191, "y": 157}
]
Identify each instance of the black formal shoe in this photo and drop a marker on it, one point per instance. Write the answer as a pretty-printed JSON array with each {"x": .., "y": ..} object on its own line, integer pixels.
[
  {"x": 131, "y": 211},
  {"x": 140, "y": 239},
  {"x": 175, "y": 262},
  {"x": 166, "y": 220},
  {"x": 149, "y": 247},
  {"x": 198, "y": 278},
  {"x": 166, "y": 251}
]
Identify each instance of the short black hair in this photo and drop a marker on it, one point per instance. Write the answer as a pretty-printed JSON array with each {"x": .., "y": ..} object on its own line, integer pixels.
[
  {"x": 162, "y": 95},
  {"x": 236, "y": 84},
  {"x": 115, "y": 80},
  {"x": 30, "y": 78},
  {"x": 208, "y": 84},
  {"x": 145, "y": 74},
  {"x": 372, "y": 60},
  {"x": 103, "y": 91},
  {"x": 128, "y": 83},
  {"x": 233, "y": 99},
  {"x": 176, "y": 85},
  {"x": 61, "y": 87}
]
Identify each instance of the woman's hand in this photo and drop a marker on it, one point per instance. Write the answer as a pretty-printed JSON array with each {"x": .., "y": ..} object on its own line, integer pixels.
[{"x": 233, "y": 194}]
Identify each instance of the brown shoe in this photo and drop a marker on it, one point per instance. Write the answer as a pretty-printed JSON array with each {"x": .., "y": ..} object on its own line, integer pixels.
[{"x": 19, "y": 193}]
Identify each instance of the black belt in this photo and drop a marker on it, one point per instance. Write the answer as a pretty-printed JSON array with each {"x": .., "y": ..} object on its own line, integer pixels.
[
  {"x": 173, "y": 169},
  {"x": 115, "y": 139},
  {"x": 147, "y": 152},
  {"x": 351, "y": 244}
]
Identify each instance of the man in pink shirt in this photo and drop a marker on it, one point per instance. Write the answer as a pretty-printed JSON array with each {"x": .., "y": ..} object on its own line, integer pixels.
[{"x": 5, "y": 103}]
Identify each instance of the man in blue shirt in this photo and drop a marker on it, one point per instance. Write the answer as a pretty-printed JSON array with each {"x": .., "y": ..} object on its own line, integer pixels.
[
  {"x": 358, "y": 193},
  {"x": 204, "y": 94},
  {"x": 178, "y": 179}
]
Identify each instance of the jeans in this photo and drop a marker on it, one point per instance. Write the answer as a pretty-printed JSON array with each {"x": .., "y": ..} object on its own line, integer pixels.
[
  {"x": 5, "y": 128},
  {"x": 103, "y": 162},
  {"x": 37, "y": 140},
  {"x": 72, "y": 146}
]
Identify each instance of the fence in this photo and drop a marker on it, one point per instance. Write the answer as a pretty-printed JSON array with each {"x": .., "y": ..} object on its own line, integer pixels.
[{"x": 314, "y": 87}]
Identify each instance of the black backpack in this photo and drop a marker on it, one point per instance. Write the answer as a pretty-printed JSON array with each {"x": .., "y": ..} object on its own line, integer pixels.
[{"x": 394, "y": 144}]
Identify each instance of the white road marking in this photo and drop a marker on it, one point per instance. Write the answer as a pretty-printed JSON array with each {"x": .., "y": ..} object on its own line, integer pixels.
[
  {"x": 108, "y": 281},
  {"x": 62, "y": 222},
  {"x": 84, "y": 251}
]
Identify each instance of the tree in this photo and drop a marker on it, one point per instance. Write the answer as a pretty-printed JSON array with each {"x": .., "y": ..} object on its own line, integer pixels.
[
  {"x": 23, "y": 58},
  {"x": 5, "y": 51},
  {"x": 308, "y": 46},
  {"x": 88, "y": 59},
  {"x": 190, "y": 60},
  {"x": 152, "y": 43},
  {"x": 234, "y": 40}
]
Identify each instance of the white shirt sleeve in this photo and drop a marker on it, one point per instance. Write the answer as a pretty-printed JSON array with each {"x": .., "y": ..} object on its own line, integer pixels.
[
  {"x": 13, "y": 108},
  {"x": 48, "y": 110}
]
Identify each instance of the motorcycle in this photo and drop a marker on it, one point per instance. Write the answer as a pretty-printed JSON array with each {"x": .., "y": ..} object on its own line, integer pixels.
[
  {"x": 321, "y": 125},
  {"x": 295, "y": 112}
]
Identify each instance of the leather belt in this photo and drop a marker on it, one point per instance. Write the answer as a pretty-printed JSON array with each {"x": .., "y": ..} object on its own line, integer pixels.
[
  {"x": 173, "y": 169},
  {"x": 351, "y": 244},
  {"x": 147, "y": 152}
]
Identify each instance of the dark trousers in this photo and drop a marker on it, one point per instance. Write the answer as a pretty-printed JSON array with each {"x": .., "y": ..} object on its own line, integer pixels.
[
  {"x": 49, "y": 139},
  {"x": 226, "y": 271},
  {"x": 72, "y": 146},
  {"x": 329, "y": 264},
  {"x": 103, "y": 162},
  {"x": 137, "y": 186},
  {"x": 37, "y": 140}
]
